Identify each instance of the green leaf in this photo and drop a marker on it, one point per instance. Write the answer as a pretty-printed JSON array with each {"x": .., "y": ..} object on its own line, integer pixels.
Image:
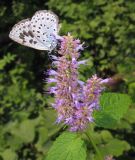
[
  {"x": 6, "y": 59},
  {"x": 106, "y": 135},
  {"x": 42, "y": 138},
  {"x": 130, "y": 115},
  {"x": 115, "y": 147},
  {"x": 25, "y": 131},
  {"x": 68, "y": 146},
  {"x": 123, "y": 125},
  {"x": 8, "y": 154},
  {"x": 113, "y": 107},
  {"x": 99, "y": 2},
  {"x": 131, "y": 90}
]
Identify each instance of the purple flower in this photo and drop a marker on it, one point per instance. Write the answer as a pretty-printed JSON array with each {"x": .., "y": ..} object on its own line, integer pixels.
[
  {"x": 50, "y": 80},
  {"x": 75, "y": 100},
  {"x": 92, "y": 91},
  {"x": 52, "y": 72}
]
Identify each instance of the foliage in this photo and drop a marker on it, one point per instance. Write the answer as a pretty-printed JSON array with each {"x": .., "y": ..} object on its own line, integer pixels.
[
  {"x": 27, "y": 123},
  {"x": 67, "y": 146},
  {"x": 113, "y": 107},
  {"x": 23, "y": 116}
]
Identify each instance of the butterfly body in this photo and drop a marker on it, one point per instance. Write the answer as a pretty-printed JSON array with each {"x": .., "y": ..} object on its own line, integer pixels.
[{"x": 37, "y": 32}]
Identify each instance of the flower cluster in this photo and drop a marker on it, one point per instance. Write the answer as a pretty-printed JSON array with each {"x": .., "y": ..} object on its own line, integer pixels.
[{"x": 75, "y": 101}]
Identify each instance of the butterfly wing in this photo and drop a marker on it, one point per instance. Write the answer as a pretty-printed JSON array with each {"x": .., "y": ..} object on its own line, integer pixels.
[
  {"x": 22, "y": 34},
  {"x": 44, "y": 24}
]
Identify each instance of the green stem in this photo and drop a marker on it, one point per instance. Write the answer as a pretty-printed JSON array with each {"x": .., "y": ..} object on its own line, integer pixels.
[{"x": 100, "y": 157}]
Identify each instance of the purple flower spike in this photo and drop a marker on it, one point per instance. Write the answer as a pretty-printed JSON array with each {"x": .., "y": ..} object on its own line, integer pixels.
[
  {"x": 52, "y": 72},
  {"x": 75, "y": 100}
]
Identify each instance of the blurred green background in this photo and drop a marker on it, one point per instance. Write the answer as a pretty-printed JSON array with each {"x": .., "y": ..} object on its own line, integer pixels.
[{"x": 27, "y": 122}]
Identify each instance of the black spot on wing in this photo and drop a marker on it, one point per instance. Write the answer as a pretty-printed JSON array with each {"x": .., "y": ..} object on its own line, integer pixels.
[
  {"x": 31, "y": 34},
  {"x": 24, "y": 41},
  {"x": 21, "y": 36},
  {"x": 35, "y": 42},
  {"x": 25, "y": 33},
  {"x": 31, "y": 40}
]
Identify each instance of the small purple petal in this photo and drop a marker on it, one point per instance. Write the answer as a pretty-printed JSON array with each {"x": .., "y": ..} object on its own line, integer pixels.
[
  {"x": 51, "y": 80},
  {"x": 77, "y": 104},
  {"x": 82, "y": 62},
  {"x": 74, "y": 61},
  {"x": 53, "y": 90},
  {"x": 73, "y": 128},
  {"x": 81, "y": 82},
  {"x": 80, "y": 47},
  {"x": 59, "y": 119},
  {"x": 90, "y": 119},
  {"x": 52, "y": 72},
  {"x": 107, "y": 80},
  {"x": 69, "y": 120}
]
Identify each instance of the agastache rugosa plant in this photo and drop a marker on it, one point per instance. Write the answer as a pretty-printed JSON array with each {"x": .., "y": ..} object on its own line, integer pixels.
[{"x": 75, "y": 100}]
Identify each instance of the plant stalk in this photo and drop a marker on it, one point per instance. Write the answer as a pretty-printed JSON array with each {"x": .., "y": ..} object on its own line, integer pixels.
[{"x": 100, "y": 157}]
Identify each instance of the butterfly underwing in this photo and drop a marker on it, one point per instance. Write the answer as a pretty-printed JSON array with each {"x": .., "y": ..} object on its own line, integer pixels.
[{"x": 38, "y": 32}]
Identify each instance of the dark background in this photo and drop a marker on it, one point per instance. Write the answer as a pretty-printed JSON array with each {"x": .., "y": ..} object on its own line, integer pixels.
[{"x": 107, "y": 27}]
